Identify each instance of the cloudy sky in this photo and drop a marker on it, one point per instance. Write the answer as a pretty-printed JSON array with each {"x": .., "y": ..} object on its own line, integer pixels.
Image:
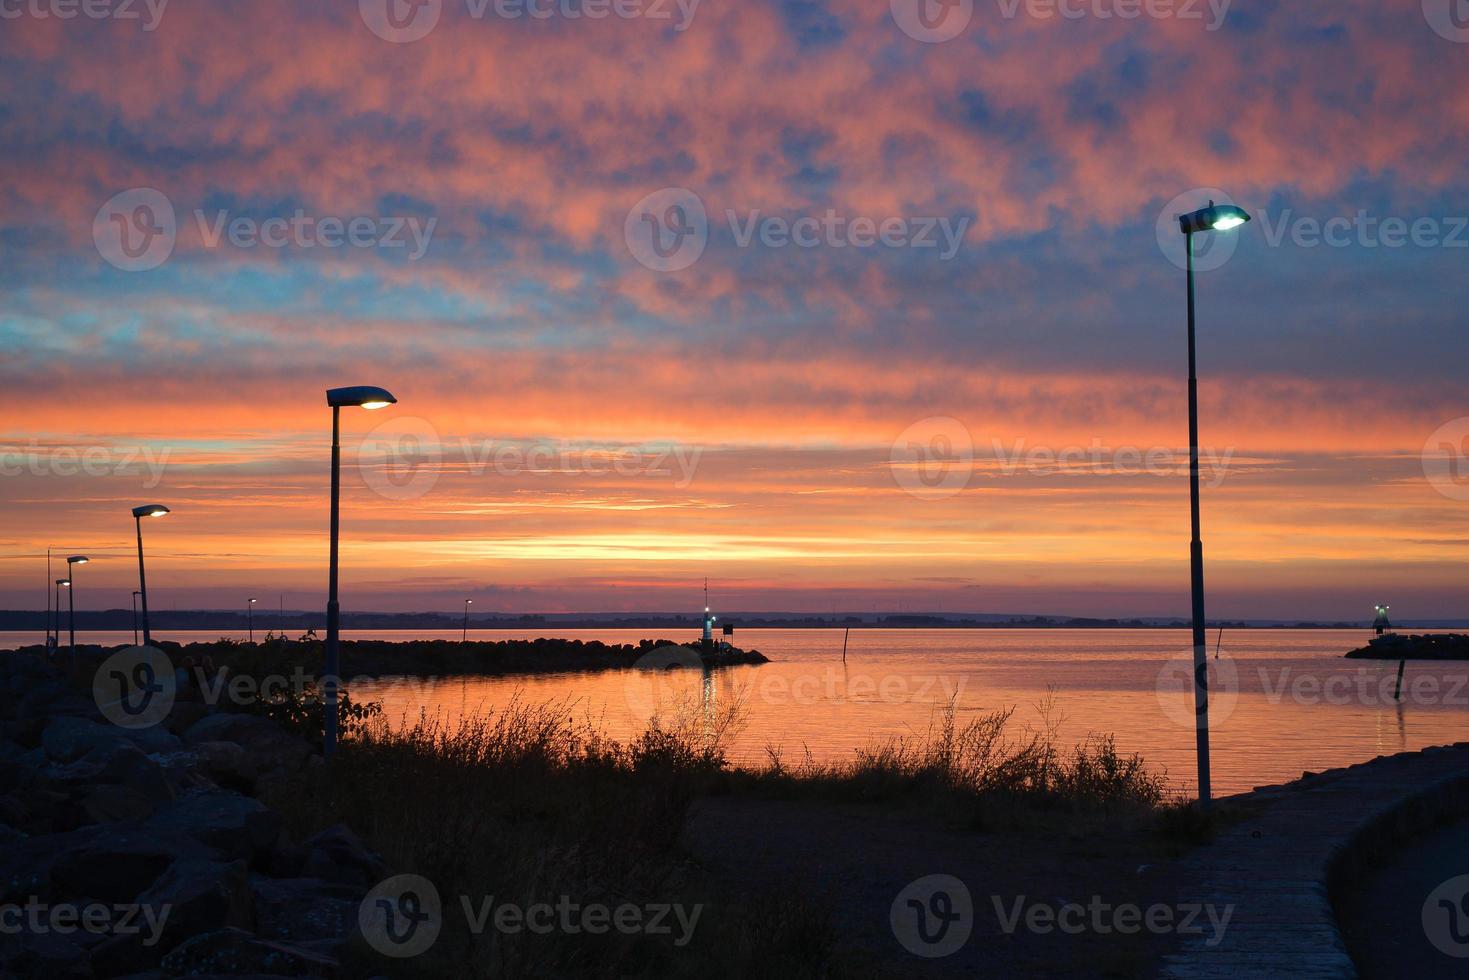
[{"x": 845, "y": 304}]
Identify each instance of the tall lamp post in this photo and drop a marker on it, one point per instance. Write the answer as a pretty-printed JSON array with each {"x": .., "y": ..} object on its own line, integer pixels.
[
  {"x": 61, "y": 583},
  {"x": 147, "y": 510},
  {"x": 359, "y": 396},
  {"x": 464, "y": 637},
  {"x": 71, "y": 604},
  {"x": 1215, "y": 217},
  {"x": 250, "y": 617},
  {"x": 136, "y": 593}
]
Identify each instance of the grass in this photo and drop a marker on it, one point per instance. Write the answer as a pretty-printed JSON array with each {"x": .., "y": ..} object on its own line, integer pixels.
[
  {"x": 529, "y": 804},
  {"x": 983, "y": 771}
]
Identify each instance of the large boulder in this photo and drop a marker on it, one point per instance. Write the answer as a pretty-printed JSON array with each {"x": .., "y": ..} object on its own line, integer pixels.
[
  {"x": 120, "y": 861},
  {"x": 70, "y": 739},
  {"x": 27, "y": 871},
  {"x": 226, "y": 726},
  {"x": 233, "y": 825},
  {"x": 235, "y": 951},
  {"x": 338, "y": 855},
  {"x": 193, "y": 896},
  {"x": 304, "y": 910},
  {"x": 129, "y": 767}
]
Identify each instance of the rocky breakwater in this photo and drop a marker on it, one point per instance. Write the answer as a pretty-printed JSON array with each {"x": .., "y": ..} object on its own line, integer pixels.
[
  {"x": 1415, "y": 646},
  {"x": 143, "y": 850}
]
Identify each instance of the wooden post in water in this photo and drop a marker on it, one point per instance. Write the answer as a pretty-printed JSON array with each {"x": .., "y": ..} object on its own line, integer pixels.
[
  {"x": 845, "y": 636},
  {"x": 1397, "y": 693}
]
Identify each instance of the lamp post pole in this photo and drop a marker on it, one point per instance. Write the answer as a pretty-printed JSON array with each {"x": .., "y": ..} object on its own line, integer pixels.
[
  {"x": 142, "y": 581},
  {"x": 464, "y": 636},
  {"x": 1196, "y": 550},
  {"x": 250, "y": 617},
  {"x": 147, "y": 510},
  {"x": 1218, "y": 218},
  {"x": 60, "y": 583},
  {"x": 71, "y": 607},
  {"x": 329, "y": 669},
  {"x": 135, "y": 617},
  {"x": 371, "y": 398}
]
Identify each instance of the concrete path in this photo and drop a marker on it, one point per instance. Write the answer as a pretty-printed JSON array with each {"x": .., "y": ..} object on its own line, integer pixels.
[{"x": 1292, "y": 844}]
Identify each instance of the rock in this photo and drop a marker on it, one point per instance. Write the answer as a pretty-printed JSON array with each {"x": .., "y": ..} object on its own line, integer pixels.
[
  {"x": 224, "y": 762},
  {"x": 304, "y": 910},
  {"x": 112, "y": 804},
  {"x": 274, "y": 752},
  {"x": 27, "y": 871},
  {"x": 121, "y": 861},
  {"x": 36, "y": 702},
  {"x": 184, "y": 715},
  {"x": 234, "y": 825},
  {"x": 193, "y": 896},
  {"x": 338, "y": 855},
  {"x": 69, "y": 739},
  {"x": 153, "y": 739},
  {"x": 228, "y": 727},
  {"x": 43, "y": 954},
  {"x": 25, "y": 732},
  {"x": 234, "y": 951},
  {"x": 129, "y": 767}
]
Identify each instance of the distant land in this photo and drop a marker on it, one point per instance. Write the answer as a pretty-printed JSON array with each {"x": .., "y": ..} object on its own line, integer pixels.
[{"x": 299, "y": 621}]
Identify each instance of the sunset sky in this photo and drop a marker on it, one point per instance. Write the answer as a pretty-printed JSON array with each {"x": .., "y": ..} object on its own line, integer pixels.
[{"x": 581, "y": 428}]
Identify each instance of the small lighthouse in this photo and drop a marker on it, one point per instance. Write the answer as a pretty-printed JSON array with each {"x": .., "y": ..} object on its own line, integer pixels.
[
  {"x": 706, "y": 642},
  {"x": 1380, "y": 625}
]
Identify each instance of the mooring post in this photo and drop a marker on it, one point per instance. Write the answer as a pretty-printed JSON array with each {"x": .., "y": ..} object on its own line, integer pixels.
[{"x": 1397, "y": 693}]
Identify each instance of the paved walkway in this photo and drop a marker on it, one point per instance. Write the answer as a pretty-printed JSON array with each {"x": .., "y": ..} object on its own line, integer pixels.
[{"x": 1275, "y": 865}]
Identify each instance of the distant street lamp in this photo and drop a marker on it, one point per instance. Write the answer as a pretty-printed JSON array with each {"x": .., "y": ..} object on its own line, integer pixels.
[
  {"x": 1215, "y": 217},
  {"x": 250, "y": 617},
  {"x": 61, "y": 583},
  {"x": 371, "y": 398},
  {"x": 71, "y": 607},
  {"x": 136, "y": 593},
  {"x": 465, "y": 636},
  {"x": 147, "y": 510}
]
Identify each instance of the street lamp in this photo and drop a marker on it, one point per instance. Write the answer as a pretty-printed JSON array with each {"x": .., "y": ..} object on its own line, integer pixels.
[
  {"x": 1215, "y": 217},
  {"x": 61, "y": 583},
  {"x": 250, "y": 617},
  {"x": 465, "y": 636},
  {"x": 359, "y": 396},
  {"x": 147, "y": 510},
  {"x": 136, "y": 593},
  {"x": 71, "y": 607}
]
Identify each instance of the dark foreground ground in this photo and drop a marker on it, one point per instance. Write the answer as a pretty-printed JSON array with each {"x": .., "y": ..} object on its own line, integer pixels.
[
  {"x": 1382, "y": 917},
  {"x": 270, "y": 862}
]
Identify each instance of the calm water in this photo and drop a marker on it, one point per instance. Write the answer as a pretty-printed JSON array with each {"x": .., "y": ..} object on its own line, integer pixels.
[{"x": 1285, "y": 701}]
